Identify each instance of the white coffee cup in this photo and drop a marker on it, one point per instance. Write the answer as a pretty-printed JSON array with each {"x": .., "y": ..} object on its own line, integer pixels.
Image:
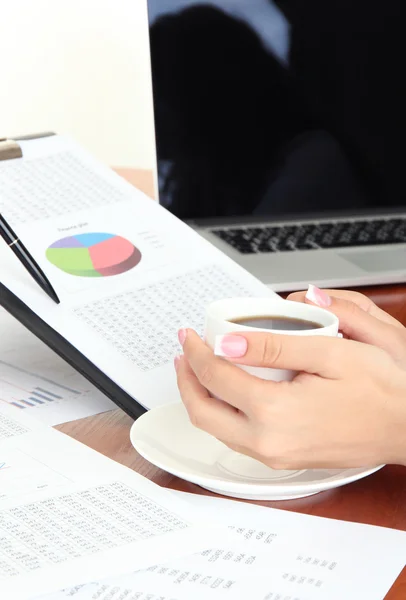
[{"x": 220, "y": 314}]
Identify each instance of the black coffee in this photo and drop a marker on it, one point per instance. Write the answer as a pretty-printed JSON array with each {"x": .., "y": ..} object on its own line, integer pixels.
[{"x": 277, "y": 323}]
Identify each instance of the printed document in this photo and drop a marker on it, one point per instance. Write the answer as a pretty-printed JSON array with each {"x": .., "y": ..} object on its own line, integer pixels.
[
  {"x": 128, "y": 273},
  {"x": 35, "y": 379},
  {"x": 281, "y": 556},
  {"x": 69, "y": 514}
]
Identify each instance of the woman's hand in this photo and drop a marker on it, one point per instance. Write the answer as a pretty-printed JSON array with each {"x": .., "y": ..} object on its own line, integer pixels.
[
  {"x": 346, "y": 408},
  {"x": 360, "y": 319}
]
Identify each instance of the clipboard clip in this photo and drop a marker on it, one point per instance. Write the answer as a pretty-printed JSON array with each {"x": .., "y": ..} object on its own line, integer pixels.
[{"x": 9, "y": 149}]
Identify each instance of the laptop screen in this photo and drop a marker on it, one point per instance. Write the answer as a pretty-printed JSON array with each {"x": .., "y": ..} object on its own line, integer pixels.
[{"x": 271, "y": 107}]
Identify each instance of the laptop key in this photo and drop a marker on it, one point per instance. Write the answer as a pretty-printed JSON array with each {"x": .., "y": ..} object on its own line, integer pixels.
[{"x": 266, "y": 248}]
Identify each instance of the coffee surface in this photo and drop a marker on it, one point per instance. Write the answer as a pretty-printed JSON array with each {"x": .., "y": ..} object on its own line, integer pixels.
[{"x": 277, "y": 323}]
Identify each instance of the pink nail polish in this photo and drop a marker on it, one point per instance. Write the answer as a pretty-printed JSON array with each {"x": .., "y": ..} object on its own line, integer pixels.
[
  {"x": 176, "y": 362},
  {"x": 318, "y": 296},
  {"x": 231, "y": 346},
  {"x": 182, "y": 333}
]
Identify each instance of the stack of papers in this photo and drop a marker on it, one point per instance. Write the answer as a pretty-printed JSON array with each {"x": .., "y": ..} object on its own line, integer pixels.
[
  {"x": 279, "y": 556},
  {"x": 75, "y": 524},
  {"x": 69, "y": 515}
]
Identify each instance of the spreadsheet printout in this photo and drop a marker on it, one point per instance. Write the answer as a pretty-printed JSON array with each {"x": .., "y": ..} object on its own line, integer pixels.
[
  {"x": 69, "y": 514},
  {"x": 279, "y": 555},
  {"x": 128, "y": 273}
]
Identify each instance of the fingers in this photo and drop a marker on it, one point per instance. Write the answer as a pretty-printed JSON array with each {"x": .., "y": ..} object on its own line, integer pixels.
[
  {"x": 220, "y": 377},
  {"x": 217, "y": 418},
  {"x": 361, "y": 320},
  {"x": 326, "y": 356},
  {"x": 327, "y": 299}
]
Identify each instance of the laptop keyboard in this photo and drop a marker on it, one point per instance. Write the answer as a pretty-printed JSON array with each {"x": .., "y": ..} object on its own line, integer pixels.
[{"x": 334, "y": 234}]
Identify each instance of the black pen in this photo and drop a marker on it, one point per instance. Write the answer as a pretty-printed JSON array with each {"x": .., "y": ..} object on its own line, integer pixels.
[{"x": 26, "y": 259}]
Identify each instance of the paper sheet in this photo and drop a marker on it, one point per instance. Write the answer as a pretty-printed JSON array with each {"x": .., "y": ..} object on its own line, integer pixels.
[
  {"x": 14, "y": 424},
  {"x": 35, "y": 379},
  {"x": 281, "y": 556},
  {"x": 123, "y": 315},
  {"x": 69, "y": 515}
]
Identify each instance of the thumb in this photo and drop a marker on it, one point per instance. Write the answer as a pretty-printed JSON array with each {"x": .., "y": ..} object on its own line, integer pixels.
[{"x": 358, "y": 324}]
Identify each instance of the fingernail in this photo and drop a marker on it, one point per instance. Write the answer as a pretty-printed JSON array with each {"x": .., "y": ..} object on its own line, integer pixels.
[
  {"x": 232, "y": 346},
  {"x": 318, "y": 296},
  {"x": 176, "y": 362},
  {"x": 182, "y": 333}
]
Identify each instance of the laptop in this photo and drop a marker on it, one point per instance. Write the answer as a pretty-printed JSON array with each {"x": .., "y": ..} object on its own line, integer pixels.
[{"x": 280, "y": 134}]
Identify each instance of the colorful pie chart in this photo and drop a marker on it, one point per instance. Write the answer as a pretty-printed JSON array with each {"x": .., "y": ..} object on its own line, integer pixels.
[{"x": 93, "y": 255}]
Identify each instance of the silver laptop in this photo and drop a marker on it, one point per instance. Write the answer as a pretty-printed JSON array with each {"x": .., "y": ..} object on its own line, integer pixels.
[{"x": 280, "y": 134}]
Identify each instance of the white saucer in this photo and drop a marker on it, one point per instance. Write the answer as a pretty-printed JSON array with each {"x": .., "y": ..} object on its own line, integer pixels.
[{"x": 165, "y": 437}]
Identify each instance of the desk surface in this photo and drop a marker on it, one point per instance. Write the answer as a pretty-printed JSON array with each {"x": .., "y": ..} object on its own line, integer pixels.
[{"x": 377, "y": 500}]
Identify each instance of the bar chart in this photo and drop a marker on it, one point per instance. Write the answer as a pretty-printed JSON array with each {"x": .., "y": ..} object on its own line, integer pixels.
[
  {"x": 36, "y": 380},
  {"x": 32, "y": 390},
  {"x": 38, "y": 396},
  {"x": 52, "y": 401}
]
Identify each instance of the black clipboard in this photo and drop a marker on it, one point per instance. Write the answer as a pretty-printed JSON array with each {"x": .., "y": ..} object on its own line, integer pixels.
[{"x": 55, "y": 341}]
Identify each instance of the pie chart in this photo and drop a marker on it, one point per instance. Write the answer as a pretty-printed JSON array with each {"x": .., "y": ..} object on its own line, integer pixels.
[{"x": 93, "y": 255}]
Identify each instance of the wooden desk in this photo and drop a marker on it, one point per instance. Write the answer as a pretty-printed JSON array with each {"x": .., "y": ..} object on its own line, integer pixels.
[{"x": 377, "y": 500}]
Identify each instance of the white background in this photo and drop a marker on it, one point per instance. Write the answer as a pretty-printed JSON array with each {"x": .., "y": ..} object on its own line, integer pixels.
[{"x": 79, "y": 67}]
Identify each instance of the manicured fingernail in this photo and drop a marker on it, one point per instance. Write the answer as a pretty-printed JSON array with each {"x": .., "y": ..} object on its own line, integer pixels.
[
  {"x": 318, "y": 296},
  {"x": 182, "y": 333},
  {"x": 176, "y": 362},
  {"x": 232, "y": 346}
]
